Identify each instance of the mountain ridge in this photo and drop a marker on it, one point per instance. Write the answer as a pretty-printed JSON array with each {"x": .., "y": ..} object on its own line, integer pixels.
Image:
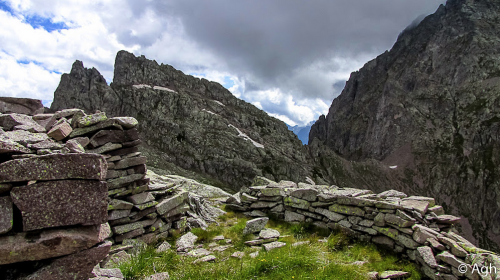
[{"x": 430, "y": 107}]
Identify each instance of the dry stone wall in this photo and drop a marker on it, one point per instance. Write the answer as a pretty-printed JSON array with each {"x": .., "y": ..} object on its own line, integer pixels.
[
  {"x": 67, "y": 176},
  {"x": 53, "y": 205},
  {"x": 413, "y": 226}
]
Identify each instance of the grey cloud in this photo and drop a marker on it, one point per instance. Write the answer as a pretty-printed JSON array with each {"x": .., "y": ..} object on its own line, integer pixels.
[{"x": 268, "y": 43}]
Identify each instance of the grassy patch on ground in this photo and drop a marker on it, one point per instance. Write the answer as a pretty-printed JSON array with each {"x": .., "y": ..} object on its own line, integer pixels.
[{"x": 332, "y": 259}]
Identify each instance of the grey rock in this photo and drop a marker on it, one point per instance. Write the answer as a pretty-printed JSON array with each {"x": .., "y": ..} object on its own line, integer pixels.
[
  {"x": 255, "y": 225},
  {"x": 427, "y": 256},
  {"x": 208, "y": 258},
  {"x": 291, "y": 216},
  {"x": 269, "y": 233},
  {"x": 394, "y": 274},
  {"x": 305, "y": 194},
  {"x": 273, "y": 245},
  {"x": 17, "y": 105},
  {"x": 186, "y": 242},
  {"x": 200, "y": 252},
  {"x": 163, "y": 247}
]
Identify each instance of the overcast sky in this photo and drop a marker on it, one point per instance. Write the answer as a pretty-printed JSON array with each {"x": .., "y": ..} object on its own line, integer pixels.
[{"x": 287, "y": 57}]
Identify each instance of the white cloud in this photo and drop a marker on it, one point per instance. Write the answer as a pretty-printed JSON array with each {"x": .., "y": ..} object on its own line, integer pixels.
[{"x": 25, "y": 80}]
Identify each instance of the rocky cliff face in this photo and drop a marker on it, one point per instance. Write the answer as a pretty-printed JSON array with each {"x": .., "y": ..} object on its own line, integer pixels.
[
  {"x": 430, "y": 106},
  {"x": 192, "y": 126}
]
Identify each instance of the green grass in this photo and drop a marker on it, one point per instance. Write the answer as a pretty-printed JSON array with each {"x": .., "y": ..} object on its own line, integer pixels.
[{"x": 317, "y": 260}]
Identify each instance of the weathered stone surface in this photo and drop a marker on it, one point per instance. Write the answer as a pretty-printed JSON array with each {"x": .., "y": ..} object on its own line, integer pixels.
[
  {"x": 263, "y": 204},
  {"x": 268, "y": 233},
  {"x": 427, "y": 256},
  {"x": 61, "y": 203},
  {"x": 47, "y": 144},
  {"x": 383, "y": 240},
  {"x": 394, "y": 274},
  {"x": 118, "y": 214},
  {"x": 305, "y": 194},
  {"x": 126, "y": 122},
  {"x": 296, "y": 202},
  {"x": 20, "y": 122},
  {"x": 170, "y": 203},
  {"x": 8, "y": 146},
  {"x": 186, "y": 242},
  {"x": 238, "y": 255},
  {"x": 208, "y": 258},
  {"x": 54, "y": 167},
  {"x": 273, "y": 245},
  {"x": 247, "y": 198},
  {"x": 391, "y": 193},
  {"x": 130, "y": 234},
  {"x": 407, "y": 241},
  {"x": 128, "y": 162},
  {"x": 47, "y": 244},
  {"x": 454, "y": 247},
  {"x": 163, "y": 247},
  {"x": 90, "y": 120},
  {"x": 449, "y": 258},
  {"x": 141, "y": 198},
  {"x": 125, "y": 152},
  {"x": 4, "y": 187},
  {"x": 200, "y": 252},
  {"x": 6, "y": 214},
  {"x": 183, "y": 208},
  {"x": 25, "y": 137},
  {"x": 390, "y": 232},
  {"x": 26, "y": 106},
  {"x": 447, "y": 219},
  {"x": 257, "y": 242},
  {"x": 419, "y": 205},
  {"x": 291, "y": 216},
  {"x": 398, "y": 221},
  {"x": 86, "y": 130},
  {"x": 122, "y": 181},
  {"x": 113, "y": 136},
  {"x": 421, "y": 234},
  {"x": 347, "y": 210},
  {"x": 76, "y": 266},
  {"x": 60, "y": 131},
  {"x": 255, "y": 225},
  {"x": 272, "y": 191}
]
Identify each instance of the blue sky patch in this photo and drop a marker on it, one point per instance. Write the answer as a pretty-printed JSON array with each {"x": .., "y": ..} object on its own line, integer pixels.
[
  {"x": 36, "y": 21},
  {"x": 46, "y": 103},
  {"x": 228, "y": 82},
  {"x": 26, "y": 62}
]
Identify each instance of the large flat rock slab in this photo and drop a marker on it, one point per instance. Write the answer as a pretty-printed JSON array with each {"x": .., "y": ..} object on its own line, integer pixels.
[
  {"x": 54, "y": 167},
  {"x": 25, "y": 106},
  {"x": 113, "y": 136},
  {"x": 27, "y": 246},
  {"x": 76, "y": 266},
  {"x": 61, "y": 203}
]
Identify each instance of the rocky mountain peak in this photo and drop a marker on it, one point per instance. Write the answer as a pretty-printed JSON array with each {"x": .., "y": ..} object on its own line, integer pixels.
[
  {"x": 429, "y": 108},
  {"x": 193, "y": 126}
]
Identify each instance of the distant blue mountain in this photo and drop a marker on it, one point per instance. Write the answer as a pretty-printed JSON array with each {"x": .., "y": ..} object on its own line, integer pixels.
[{"x": 302, "y": 132}]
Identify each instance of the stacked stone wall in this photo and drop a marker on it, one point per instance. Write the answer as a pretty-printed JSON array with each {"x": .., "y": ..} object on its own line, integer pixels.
[
  {"x": 413, "y": 226},
  {"x": 53, "y": 206},
  {"x": 67, "y": 171}
]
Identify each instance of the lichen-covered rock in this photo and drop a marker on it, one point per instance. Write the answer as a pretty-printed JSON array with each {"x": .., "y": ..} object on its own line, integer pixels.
[
  {"x": 61, "y": 203},
  {"x": 54, "y": 167}
]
